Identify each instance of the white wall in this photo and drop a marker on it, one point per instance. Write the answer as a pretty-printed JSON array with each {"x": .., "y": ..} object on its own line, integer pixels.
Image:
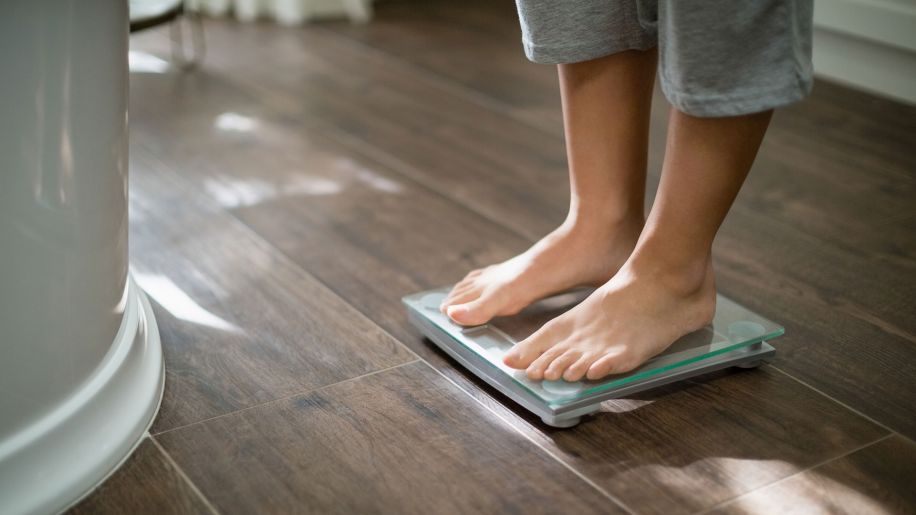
[{"x": 868, "y": 44}]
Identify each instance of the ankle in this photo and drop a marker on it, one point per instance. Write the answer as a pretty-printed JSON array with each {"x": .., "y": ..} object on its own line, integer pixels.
[
  {"x": 604, "y": 222},
  {"x": 683, "y": 275}
]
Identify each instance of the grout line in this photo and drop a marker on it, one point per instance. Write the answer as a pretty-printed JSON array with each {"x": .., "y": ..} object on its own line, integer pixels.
[
  {"x": 282, "y": 255},
  {"x": 802, "y": 471},
  {"x": 841, "y": 403},
  {"x": 185, "y": 477},
  {"x": 418, "y": 358},
  {"x": 303, "y": 392},
  {"x": 528, "y": 437},
  {"x": 396, "y": 166}
]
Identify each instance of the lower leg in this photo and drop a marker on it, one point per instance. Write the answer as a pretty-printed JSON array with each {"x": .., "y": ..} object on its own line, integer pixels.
[
  {"x": 606, "y": 106},
  {"x": 706, "y": 162},
  {"x": 666, "y": 287}
]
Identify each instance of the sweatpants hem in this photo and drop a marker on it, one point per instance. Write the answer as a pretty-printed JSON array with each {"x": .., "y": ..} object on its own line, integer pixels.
[
  {"x": 584, "y": 51},
  {"x": 737, "y": 103}
]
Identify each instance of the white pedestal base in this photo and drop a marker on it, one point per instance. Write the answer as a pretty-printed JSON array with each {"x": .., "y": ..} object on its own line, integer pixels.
[{"x": 60, "y": 458}]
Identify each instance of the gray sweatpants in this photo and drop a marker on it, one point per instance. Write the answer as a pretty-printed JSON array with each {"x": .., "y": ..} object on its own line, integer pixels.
[{"x": 716, "y": 57}]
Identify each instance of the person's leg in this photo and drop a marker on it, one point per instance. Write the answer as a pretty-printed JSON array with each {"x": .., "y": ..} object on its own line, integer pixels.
[
  {"x": 666, "y": 288},
  {"x": 606, "y": 107}
]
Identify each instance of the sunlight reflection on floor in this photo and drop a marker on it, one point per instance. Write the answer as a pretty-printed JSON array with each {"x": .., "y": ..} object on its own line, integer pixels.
[
  {"x": 807, "y": 493},
  {"x": 174, "y": 300},
  {"x": 232, "y": 193},
  {"x": 235, "y": 122},
  {"x": 142, "y": 62}
]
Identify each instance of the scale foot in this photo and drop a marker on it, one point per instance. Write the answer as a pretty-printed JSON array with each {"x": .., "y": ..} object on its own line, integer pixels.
[{"x": 562, "y": 423}]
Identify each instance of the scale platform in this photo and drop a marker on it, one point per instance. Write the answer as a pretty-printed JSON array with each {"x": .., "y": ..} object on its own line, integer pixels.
[{"x": 736, "y": 338}]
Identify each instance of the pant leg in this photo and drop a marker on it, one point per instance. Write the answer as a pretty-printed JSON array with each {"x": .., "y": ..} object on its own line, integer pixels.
[
  {"x": 733, "y": 57},
  {"x": 570, "y": 31}
]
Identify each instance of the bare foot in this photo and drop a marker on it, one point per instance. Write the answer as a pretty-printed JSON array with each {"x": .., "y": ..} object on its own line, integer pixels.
[
  {"x": 571, "y": 256},
  {"x": 622, "y": 324}
]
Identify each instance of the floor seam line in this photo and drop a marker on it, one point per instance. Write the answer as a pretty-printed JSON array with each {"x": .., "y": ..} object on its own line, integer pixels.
[
  {"x": 569, "y": 467},
  {"x": 420, "y": 359},
  {"x": 799, "y": 472},
  {"x": 367, "y": 149},
  {"x": 487, "y": 101},
  {"x": 184, "y": 476},
  {"x": 307, "y": 391},
  {"x": 396, "y": 166},
  {"x": 831, "y": 398},
  {"x": 257, "y": 237}
]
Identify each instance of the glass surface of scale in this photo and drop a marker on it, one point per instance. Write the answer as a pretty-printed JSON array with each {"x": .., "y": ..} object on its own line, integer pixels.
[{"x": 733, "y": 328}]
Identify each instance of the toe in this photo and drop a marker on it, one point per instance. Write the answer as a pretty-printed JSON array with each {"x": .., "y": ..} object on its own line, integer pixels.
[
  {"x": 558, "y": 366},
  {"x": 459, "y": 298},
  {"x": 526, "y": 351},
  {"x": 536, "y": 370},
  {"x": 473, "y": 273},
  {"x": 609, "y": 364},
  {"x": 475, "y": 312},
  {"x": 463, "y": 287},
  {"x": 577, "y": 370}
]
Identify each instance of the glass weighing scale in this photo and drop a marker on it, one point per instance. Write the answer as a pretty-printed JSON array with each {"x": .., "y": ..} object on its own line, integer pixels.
[{"x": 736, "y": 338}]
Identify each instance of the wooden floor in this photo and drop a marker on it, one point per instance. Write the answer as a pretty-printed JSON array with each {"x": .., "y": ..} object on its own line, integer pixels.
[{"x": 287, "y": 194}]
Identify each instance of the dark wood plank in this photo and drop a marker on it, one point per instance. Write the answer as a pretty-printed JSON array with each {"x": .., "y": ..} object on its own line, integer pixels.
[
  {"x": 467, "y": 32},
  {"x": 879, "y": 299},
  {"x": 393, "y": 110},
  {"x": 233, "y": 169},
  {"x": 401, "y": 441},
  {"x": 820, "y": 168},
  {"x": 876, "y": 479},
  {"x": 873, "y": 309},
  {"x": 758, "y": 415},
  {"x": 371, "y": 244},
  {"x": 687, "y": 447},
  {"x": 846, "y": 319},
  {"x": 146, "y": 483},
  {"x": 875, "y": 134},
  {"x": 240, "y": 324}
]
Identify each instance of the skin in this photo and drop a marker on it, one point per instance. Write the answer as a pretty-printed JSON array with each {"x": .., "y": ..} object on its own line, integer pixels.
[
  {"x": 606, "y": 107},
  {"x": 654, "y": 279}
]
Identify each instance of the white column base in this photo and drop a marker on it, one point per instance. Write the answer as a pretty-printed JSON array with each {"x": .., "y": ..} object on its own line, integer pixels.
[{"x": 56, "y": 461}]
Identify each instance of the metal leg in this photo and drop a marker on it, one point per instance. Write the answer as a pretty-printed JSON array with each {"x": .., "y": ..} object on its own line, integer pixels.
[
  {"x": 198, "y": 43},
  {"x": 750, "y": 348}
]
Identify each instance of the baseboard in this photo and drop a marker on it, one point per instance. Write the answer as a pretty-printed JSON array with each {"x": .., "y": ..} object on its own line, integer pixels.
[
  {"x": 874, "y": 67},
  {"x": 867, "y": 44}
]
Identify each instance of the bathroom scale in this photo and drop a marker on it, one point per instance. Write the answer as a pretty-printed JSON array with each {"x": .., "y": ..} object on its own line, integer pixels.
[{"x": 736, "y": 338}]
